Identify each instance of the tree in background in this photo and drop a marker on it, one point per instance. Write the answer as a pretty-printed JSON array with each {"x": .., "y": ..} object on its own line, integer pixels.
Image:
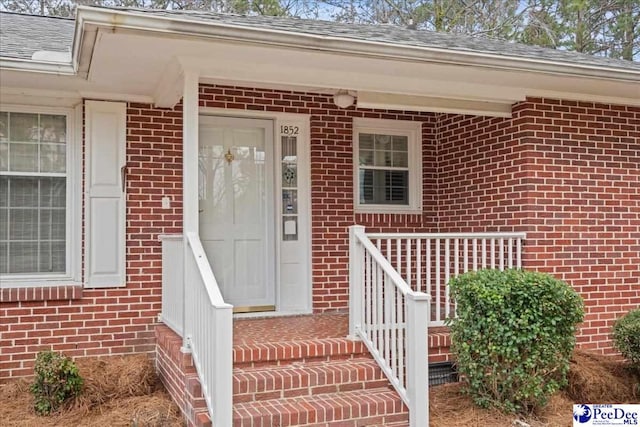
[{"x": 599, "y": 27}]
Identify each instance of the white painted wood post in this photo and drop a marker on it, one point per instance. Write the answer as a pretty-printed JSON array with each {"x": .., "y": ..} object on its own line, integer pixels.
[
  {"x": 418, "y": 308},
  {"x": 223, "y": 368},
  {"x": 190, "y": 111},
  {"x": 356, "y": 254}
]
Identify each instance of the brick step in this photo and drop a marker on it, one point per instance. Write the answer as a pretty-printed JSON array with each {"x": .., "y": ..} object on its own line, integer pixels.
[
  {"x": 311, "y": 378},
  {"x": 380, "y": 406},
  {"x": 283, "y": 353}
]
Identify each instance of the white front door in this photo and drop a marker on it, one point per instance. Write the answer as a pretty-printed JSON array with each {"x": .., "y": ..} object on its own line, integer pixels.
[{"x": 236, "y": 208}]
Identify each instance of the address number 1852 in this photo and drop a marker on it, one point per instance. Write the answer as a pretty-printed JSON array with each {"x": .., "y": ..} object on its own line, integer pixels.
[{"x": 289, "y": 130}]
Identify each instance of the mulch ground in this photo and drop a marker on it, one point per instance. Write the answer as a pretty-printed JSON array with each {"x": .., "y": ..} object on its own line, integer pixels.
[
  {"x": 118, "y": 391},
  {"x": 592, "y": 379},
  {"x": 125, "y": 391}
]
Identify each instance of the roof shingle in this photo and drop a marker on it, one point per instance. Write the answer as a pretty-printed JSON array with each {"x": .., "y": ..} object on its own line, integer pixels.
[{"x": 22, "y": 35}]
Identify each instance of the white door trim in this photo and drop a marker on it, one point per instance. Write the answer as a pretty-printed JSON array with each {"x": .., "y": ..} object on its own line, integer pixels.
[{"x": 304, "y": 179}]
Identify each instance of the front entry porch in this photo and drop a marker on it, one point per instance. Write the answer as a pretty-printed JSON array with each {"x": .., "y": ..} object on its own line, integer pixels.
[
  {"x": 312, "y": 370},
  {"x": 293, "y": 370}
]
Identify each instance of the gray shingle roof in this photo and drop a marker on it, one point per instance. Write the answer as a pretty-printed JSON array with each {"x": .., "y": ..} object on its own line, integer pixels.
[
  {"x": 22, "y": 35},
  {"x": 393, "y": 35}
]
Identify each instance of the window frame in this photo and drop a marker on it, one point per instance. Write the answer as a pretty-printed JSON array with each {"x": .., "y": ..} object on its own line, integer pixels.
[
  {"x": 413, "y": 131},
  {"x": 73, "y": 224}
]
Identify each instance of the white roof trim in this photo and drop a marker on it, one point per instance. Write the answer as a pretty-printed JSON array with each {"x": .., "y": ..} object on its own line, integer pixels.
[{"x": 139, "y": 21}]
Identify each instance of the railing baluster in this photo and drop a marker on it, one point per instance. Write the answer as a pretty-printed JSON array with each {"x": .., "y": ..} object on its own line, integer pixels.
[
  {"x": 465, "y": 254},
  {"x": 501, "y": 246},
  {"x": 484, "y": 253},
  {"x": 493, "y": 253},
  {"x": 519, "y": 252},
  {"x": 447, "y": 274},
  {"x": 399, "y": 258},
  {"x": 380, "y": 325},
  {"x": 438, "y": 284},
  {"x": 429, "y": 284},
  {"x": 419, "y": 265},
  {"x": 393, "y": 326},
  {"x": 401, "y": 333},
  {"x": 475, "y": 254},
  {"x": 510, "y": 252},
  {"x": 409, "y": 272}
]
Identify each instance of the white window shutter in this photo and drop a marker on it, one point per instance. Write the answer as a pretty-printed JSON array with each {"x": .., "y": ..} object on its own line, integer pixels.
[{"x": 105, "y": 133}]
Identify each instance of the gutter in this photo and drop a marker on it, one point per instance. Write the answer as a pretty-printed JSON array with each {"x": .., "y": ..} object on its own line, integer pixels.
[
  {"x": 173, "y": 25},
  {"x": 28, "y": 65}
]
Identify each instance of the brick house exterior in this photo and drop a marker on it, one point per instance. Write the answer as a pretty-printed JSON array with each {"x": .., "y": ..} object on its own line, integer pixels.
[{"x": 565, "y": 171}]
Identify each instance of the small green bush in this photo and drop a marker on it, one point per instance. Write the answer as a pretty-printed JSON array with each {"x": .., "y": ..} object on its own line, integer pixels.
[
  {"x": 626, "y": 336},
  {"x": 513, "y": 336},
  {"x": 56, "y": 380}
]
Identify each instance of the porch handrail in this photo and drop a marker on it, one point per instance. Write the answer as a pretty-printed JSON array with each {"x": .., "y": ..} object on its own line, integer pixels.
[
  {"x": 391, "y": 320},
  {"x": 209, "y": 333},
  {"x": 427, "y": 261}
]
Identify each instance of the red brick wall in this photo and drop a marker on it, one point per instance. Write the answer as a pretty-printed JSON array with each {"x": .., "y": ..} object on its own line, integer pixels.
[
  {"x": 332, "y": 178},
  {"x": 111, "y": 321},
  {"x": 568, "y": 174}
]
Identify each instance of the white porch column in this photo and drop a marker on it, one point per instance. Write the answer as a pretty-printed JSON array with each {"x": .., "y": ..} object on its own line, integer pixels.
[
  {"x": 190, "y": 153},
  {"x": 189, "y": 186}
]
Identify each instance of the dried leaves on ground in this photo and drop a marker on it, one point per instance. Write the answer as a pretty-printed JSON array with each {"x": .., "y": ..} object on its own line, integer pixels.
[
  {"x": 118, "y": 391},
  {"x": 125, "y": 391},
  {"x": 592, "y": 379}
]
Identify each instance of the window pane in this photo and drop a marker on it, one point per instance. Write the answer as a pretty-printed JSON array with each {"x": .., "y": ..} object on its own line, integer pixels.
[
  {"x": 366, "y": 141},
  {"x": 23, "y": 157},
  {"x": 366, "y": 157},
  {"x": 53, "y": 128},
  {"x": 23, "y": 257},
  {"x": 53, "y": 158},
  {"x": 53, "y": 192},
  {"x": 4, "y": 126},
  {"x": 3, "y": 257},
  {"x": 4, "y": 226},
  {"x": 23, "y": 224},
  {"x": 23, "y": 192},
  {"x": 23, "y": 127},
  {"x": 4, "y": 156},
  {"x": 400, "y": 143},
  {"x": 52, "y": 257},
  {"x": 383, "y": 187},
  {"x": 383, "y": 142},
  {"x": 400, "y": 160}
]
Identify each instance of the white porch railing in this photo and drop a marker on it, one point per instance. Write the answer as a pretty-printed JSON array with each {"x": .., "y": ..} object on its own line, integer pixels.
[
  {"x": 209, "y": 333},
  {"x": 172, "y": 313},
  {"x": 193, "y": 307},
  {"x": 391, "y": 319},
  {"x": 426, "y": 261}
]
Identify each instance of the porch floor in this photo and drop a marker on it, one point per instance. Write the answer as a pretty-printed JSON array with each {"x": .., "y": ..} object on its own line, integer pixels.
[{"x": 250, "y": 331}]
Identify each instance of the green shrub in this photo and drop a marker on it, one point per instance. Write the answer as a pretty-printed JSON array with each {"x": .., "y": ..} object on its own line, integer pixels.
[
  {"x": 514, "y": 336},
  {"x": 626, "y": 336},
  {"x": 56, "y": 380}
]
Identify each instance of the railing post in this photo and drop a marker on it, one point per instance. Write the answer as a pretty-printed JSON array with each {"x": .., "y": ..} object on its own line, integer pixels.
[
  {"x": 223, "y": 368},
  {"x": 356, "y": 255},
  {"x": 418, "y": 308}
]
